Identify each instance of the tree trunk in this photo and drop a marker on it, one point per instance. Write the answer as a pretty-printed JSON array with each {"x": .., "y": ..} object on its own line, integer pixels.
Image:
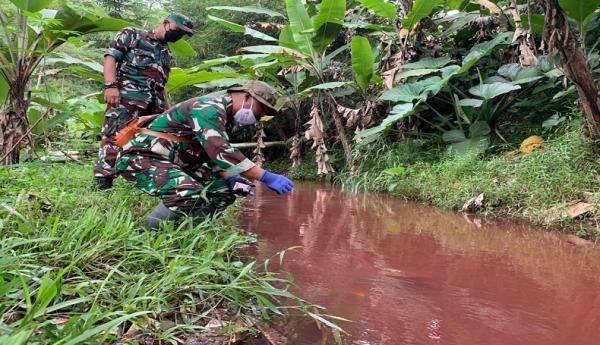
[
  {"x": 13, "y": 126},
  {"x": 561, "y": 39}
]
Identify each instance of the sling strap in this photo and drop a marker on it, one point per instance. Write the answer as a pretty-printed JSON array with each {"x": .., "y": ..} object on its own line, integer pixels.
[
  {"x": 136, "y": 126},
  {"x": 166, "y": 136}
]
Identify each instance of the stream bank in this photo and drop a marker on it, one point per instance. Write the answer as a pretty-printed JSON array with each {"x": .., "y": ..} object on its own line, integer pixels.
[{"x": 556, "y": 187}]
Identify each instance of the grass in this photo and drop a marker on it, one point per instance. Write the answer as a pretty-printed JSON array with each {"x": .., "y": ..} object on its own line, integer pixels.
[
  {"x": 536, "y": 187},
  {"x": 77, "y": 269}
]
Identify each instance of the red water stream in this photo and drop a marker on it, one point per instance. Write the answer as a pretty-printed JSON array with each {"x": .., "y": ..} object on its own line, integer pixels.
[{"x": 411, "y": 274}]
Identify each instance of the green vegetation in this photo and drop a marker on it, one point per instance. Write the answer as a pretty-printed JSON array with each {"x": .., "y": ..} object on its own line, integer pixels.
[
  {"x": 77, "y": 269},
  {"x": 538, "y": 187}
]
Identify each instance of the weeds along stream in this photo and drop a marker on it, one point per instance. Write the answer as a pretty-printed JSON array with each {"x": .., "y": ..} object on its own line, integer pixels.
[{"x": 76, "y": 268}]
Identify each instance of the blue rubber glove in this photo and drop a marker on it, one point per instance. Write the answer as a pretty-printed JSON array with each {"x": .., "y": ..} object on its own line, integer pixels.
[
  {"x": 278, "y": 183},
  {"x": 240, "y": 186}
]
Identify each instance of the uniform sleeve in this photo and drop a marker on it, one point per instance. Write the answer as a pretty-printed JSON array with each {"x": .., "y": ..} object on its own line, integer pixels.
[
  {"x": 119, "y": 46},
  {"x": 209, "y": 130}
]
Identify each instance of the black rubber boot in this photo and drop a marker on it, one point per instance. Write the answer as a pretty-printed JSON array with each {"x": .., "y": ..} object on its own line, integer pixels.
[
  {"x": 160, "y": 214},
  {"x": 105, "y": 183}
]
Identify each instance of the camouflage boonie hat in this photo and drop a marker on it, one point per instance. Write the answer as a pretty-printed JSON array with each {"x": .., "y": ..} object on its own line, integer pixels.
[
  {"x": 262, "y": 92},
  {"x": 184, "y": 23}
]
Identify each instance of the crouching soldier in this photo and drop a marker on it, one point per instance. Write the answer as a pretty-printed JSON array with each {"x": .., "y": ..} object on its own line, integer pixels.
[{"x": 184, "y": 157}]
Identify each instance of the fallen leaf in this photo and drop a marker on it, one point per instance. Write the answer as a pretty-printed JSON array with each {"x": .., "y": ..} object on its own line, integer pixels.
[
  {"x": 473, "y": 203},
  {"x": 579, "y": 209},
  {"x": 60, "y": 320},
  {"x": 271, "y": 335},
  {"x": 531, "y": 144},
  {"x": 214, "y": 323}
]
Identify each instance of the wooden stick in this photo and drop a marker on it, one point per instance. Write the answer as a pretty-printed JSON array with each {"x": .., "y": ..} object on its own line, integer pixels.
[{"x": 251, "y": 145}]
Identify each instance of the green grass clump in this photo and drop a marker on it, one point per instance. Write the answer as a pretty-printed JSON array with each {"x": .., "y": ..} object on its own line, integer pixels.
[
  {"x": 529, "y": 187},
  {"x": 77, "y": 269}
]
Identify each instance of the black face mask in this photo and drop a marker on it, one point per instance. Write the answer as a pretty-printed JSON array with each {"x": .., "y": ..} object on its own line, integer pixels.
[{"x": 173, "y": 35}]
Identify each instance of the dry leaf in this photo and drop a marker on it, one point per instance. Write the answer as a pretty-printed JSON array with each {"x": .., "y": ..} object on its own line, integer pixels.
[
  {"x": 259, "y": 156},
  {"x": 316, "y": 133},
  {"x": 295, "y": 151},
  {"x": 578, "y": 209},
  {"x": 473, "y": 204},
  {"x": 351, "y": 115},
  {"x": 271, "y": 335},
  {"x": 531, "y": 144}
]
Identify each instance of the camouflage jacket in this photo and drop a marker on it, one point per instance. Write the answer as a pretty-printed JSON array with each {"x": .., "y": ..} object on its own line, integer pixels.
[
  {"x": 143, "y": 66},
  {"x": 201, "y": 118}
]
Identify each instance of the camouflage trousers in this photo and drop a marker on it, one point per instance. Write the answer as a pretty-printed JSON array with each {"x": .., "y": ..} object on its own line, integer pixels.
[
  {"x": 198, "y": 191},
  {"x": 115, "y": 119}
]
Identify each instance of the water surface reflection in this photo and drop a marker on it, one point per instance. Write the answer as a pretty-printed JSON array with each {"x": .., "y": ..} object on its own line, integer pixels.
[{"x": 411, "y": 274}]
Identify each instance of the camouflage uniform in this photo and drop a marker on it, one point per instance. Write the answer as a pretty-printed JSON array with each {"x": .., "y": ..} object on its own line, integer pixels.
[
  {"x": 143, "y": 66},
  {"x": 185, "y": 176}
]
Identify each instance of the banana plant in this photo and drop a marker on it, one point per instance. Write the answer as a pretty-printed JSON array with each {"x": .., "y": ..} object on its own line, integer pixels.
[
  {"x": 304, "y": 44},
  {"x": 29, "y": 33},
  {"x": 417, "y": 91}
]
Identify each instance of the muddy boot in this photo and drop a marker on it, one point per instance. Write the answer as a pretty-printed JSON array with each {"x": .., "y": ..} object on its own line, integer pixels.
[
  {"x": 160, "y": 214},
  {"x": 105, "y": 183}
]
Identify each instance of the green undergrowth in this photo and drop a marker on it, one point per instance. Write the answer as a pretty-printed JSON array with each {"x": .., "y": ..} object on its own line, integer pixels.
[
  {"x": 538, "y": 187},
  {"x": 77, "y": 269}
]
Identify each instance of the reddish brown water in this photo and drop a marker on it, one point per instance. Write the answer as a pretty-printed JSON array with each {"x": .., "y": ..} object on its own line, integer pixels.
[{"x": 411, "y": 274}]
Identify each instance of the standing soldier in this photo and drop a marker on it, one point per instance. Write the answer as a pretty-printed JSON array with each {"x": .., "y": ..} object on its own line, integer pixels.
[
  {"x": 184, "y": 157},
  {"x": 136, "y": 68}
]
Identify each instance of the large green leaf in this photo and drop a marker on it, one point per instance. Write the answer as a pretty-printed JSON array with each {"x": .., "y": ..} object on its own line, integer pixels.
[
  {"x": 362, "y": 61},
  {"x": 519, "y": 75},
  {"x": 242, "y": 29},
  {"x": 471, "y": 102},
  {"x": 420, "y": 10},
  {"x": 381, "y": 7},
  {"x": 324, "y": 86},
  {"x": 579, "y": 9},
  {"x": 74, "y": 22},
  {"x": 537, "y": 22},
  {"x": 88, "y": 69},
  {"x": 223, "y": 83},
  {"x": 286, "y": 38},
  {"x": 182, "y": 48},
  {"x": 33, "y": 115},
  {"x": 410, "y": 92},
  {"x": 477, "y": 141},
  {"x": 328, "y": 23},
  {"x": 476, "y": 53},
  {"x": 272, "y": 49},
  {"x": 415, "y": 73},
  {"x": 399, "y": 112},
  {"x": 493, "y": 90},
  {"x": 4, "y": 89},
  {"x": 428, "y": 62},
  {"x": 185, "y": 77},
  {"x": 63, "y": 58},
  {"x": 455, "y": 4},
  {"x": 248, "y": 9},
  {"x": 301, "y": 26},
  {"x": 31, "y": 5}
]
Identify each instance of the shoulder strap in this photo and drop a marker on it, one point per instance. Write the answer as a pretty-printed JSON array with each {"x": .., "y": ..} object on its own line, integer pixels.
[{"x": 166, "y": 136}]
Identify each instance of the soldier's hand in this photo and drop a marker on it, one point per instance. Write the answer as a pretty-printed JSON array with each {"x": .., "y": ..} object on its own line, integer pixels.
[{"x": 112, "y": 97}]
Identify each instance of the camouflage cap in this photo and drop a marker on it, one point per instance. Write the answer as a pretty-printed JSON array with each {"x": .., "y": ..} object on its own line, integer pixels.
[
  {"x": 184, "y": 23},
  {"x": 262, "y": 92}
]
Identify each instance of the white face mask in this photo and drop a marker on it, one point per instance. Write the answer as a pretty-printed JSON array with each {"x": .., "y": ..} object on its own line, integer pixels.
[{"x": 245, "y": 116}]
